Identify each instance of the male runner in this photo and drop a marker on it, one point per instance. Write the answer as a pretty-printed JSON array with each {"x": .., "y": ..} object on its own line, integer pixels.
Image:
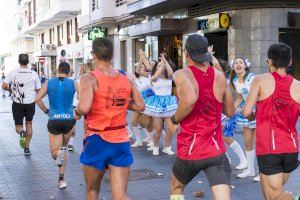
[
  {"x": 202, "y": 92},
  {"x": 104, "y": 97},
  {"x": 61, "y": 123},
  {"x": 277, "y": 111},
  {"x": 24, "y": 85}
]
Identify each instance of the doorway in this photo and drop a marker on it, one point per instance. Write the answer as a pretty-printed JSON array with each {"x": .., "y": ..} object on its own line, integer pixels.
[
  {"x": 220, "y": 42},
  {"x": 290, "y": 36}
]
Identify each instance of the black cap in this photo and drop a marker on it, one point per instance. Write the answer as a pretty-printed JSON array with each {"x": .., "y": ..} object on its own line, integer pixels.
[{"x": 197, "y": 47}]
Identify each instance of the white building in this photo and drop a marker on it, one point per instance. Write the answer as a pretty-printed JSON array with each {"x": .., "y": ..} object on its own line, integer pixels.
[{"x": 54, "y": 25}]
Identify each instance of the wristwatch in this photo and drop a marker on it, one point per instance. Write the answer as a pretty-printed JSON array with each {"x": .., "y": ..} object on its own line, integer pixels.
[{"x": 173, "y": 120}]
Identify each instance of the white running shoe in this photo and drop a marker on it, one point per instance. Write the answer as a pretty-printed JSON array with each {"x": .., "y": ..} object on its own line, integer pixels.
[
  {"x": 60, "y": 159},
  {"x": 146, "y": 139},
  {"x": 155, "y": 151},
  {"x": 242, "y": 165},
  {"x": 246, "y": 173},
  {"x": 168, "y": 151},
  {"x": 137, "y": 144},
  {"x": 150, "y": 144},
  {"x": 62, "y": 184},
  {"x": 257, "y": 178},
  {"x": 150, "y": 148}
]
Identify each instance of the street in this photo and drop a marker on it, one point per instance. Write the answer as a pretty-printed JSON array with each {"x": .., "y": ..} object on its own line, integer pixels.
[{"x": 35, "y": 177}]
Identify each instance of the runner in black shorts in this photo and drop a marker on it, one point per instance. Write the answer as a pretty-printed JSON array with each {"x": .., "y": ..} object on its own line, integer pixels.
[
  {"x": 61, "y": 123},
  {"x": 23, "y": 83}
]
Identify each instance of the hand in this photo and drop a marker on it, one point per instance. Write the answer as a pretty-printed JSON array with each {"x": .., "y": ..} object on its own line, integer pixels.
[
  {"x": 76, "y": 117},
  {"x": 142, "y": 53},
  {"x": 211, "y": 49},
  {"x": 251, "y": 117},
  {"x": 172, "y": 128}
]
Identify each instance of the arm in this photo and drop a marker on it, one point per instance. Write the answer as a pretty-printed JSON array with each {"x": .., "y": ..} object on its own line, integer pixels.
[
  {"x": 157, "y": 74},
  {"x": 7, "y": 81},
  {"x": 40, "y": 95},
  {"x": 252, "y": 98},
  {"x": 37, "y": 82},
  {"x": 86, "y": 94},
  {"x": 141, "y": 72},
  {"x": 167, "y": 65},
  {"x": 136, "y": 103},
  {"x": 215, "y": 61},
  {"x": 187, "y": 96},
  {"x": 76, "y": 84},
  {"x": 144, "y": 60},
  {"x": 228, "y": 105}
]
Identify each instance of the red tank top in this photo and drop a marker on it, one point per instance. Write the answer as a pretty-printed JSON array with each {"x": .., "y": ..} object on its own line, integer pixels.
[
  {"x": 276, "y": 118},
  {"x": 109, "y": 108},
  {"x": 201, "y": 135}
]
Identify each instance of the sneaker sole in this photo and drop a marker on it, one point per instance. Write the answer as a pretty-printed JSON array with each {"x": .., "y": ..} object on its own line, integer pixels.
[{"x": 22, "y": 142}]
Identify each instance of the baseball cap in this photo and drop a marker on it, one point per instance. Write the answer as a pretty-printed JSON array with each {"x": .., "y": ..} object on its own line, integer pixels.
[{"x": 197, "y": 47}]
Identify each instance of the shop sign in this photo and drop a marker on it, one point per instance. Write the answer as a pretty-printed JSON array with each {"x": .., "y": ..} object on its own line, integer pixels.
[
  {"x": 222, "y": 21},
  {"x": 97, "y": 32}
]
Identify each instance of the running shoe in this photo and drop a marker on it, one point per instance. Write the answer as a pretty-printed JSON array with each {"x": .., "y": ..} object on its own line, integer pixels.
[
  {"x": 168, "y": 150},
  {"x": 70, "y": 147},
  {"x": 155, "y": 151},
  {"x": 60, "y": 160},
  {"x": 146, "y": 139},
  {"x": 297, "y": 198},
  {"x": 257, "y": 178},
  {"x": 22, "y": 140},
  {"x": 150, "y": 148},
  {"x": 246, "y": 173},
  {"x": 62, "y": 184},
  {"x": 137, "y": 144},
  {"x": 242, "y": 165},
  {"x": 27, "y": 152}
]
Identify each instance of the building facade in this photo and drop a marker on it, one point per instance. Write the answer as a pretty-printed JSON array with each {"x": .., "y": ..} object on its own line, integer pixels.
[{"x": 54, "y": 26}]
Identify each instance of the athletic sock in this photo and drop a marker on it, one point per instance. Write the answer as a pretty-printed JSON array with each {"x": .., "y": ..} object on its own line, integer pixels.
[
  {"x": 137, "y": 134},
  {"x": 237, "y": 149},
  {"x": 61, "y": 177},
  {"x": 177, "y": 197},
  {"x": 71, "y": 141},
  {"x": 250, "y": 159}
]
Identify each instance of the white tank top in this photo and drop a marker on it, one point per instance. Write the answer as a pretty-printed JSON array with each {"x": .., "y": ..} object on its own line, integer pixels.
[
  {"x": 244, "y": 88},
  {"x": 143, "y": 83},
  {"x": 162, "y": 87}
]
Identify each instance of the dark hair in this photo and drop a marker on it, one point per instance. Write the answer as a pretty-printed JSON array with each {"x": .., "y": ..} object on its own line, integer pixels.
[
  {"x": 103, "y": 49},
  {"x": 233, "y": 74},
  {"x": 225, "y": 67},
  {"x": 64, "y": 68},
  {"x": 23, "y": 59},
  {"x": 280, "y": 54},
  {"x": 154, "y": 69}
]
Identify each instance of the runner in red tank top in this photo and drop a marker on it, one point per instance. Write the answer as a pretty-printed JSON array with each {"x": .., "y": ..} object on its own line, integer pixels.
[
  {"x": 202, "y": 91},
  {"x": 277, "y": 111},
  {"x": 105, "y": 97}
]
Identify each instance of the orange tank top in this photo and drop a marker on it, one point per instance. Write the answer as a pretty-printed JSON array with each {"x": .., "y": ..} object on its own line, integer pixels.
[{"x": 107, "y": 117}]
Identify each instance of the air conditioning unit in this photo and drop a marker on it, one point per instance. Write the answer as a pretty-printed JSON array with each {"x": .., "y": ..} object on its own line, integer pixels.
[{"x": 48, "y": 47}]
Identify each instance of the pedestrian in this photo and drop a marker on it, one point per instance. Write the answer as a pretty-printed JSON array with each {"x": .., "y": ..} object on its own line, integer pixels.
[
  {"x": 2, "y": 80},
  {"x": 142, "y": 80},
  {"x": 43, "y": 79},
  {"x": 24, "y": 85},
  {"x": 277, "y": 99},
  {"x": 241, "y": 79},
  {"x": 203, "y": 93},
  {"x": 61, "y": 122},
  {"x": 105, "y": 96},
  {"x": 162, "y": 105}
]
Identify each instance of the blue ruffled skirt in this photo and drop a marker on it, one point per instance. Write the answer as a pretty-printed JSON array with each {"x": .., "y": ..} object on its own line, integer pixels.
[
  {"x": 147, "y": 93},
  {"x": 245, "y": 122},
  {"x": 160, "y": 106},
  {"x": 229, "y": 125}
]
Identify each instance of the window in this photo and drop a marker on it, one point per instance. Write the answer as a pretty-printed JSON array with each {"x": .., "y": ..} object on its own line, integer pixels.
[
  {"x": 42, "y": 38},
  {"x": 58, "y": 36},
  {"x": 95, "y": 5},
  {"x": 120, "y": 2},
  {"x": 68, "y": 32}
]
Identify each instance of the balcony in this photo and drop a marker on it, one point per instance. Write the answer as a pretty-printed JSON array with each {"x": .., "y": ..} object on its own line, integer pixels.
[{"x": 49, "y": 15}]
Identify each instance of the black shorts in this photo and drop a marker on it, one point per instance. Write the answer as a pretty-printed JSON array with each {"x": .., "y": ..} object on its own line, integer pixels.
[
  {"x": 22, "y": 110},
  {"x": 57, "y": 127},
  {"x": 217, "y": 170},
  {"x": 277, "y": 163}
]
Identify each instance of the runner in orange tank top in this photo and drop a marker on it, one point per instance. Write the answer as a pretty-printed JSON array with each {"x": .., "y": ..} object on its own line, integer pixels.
[{"x": 105, "y": 96}]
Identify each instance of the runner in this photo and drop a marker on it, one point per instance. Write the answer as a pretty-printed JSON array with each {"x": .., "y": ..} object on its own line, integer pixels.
[
  {"x": 277, "y": 111},
  {"x": 241, "y": 79},
  {"x": 23, "y": 83},
  {"x": 105, "y": 96},
  {"x": 201, "y": 90},
  {"x": 61, "y": 123}
]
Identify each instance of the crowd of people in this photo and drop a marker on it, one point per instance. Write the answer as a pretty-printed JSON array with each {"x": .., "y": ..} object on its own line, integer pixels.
[{"x": 267, "y": 106}]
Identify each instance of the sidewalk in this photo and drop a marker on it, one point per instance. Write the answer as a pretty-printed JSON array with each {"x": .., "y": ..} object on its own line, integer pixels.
[{"x": 35, "y": 178}]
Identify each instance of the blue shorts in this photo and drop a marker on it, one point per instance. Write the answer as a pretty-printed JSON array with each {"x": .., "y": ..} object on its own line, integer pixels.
[{"x": 99, "y": 153}]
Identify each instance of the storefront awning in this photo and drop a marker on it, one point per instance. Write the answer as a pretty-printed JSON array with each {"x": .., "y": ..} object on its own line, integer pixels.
[{"x": 159, "y": 27}]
